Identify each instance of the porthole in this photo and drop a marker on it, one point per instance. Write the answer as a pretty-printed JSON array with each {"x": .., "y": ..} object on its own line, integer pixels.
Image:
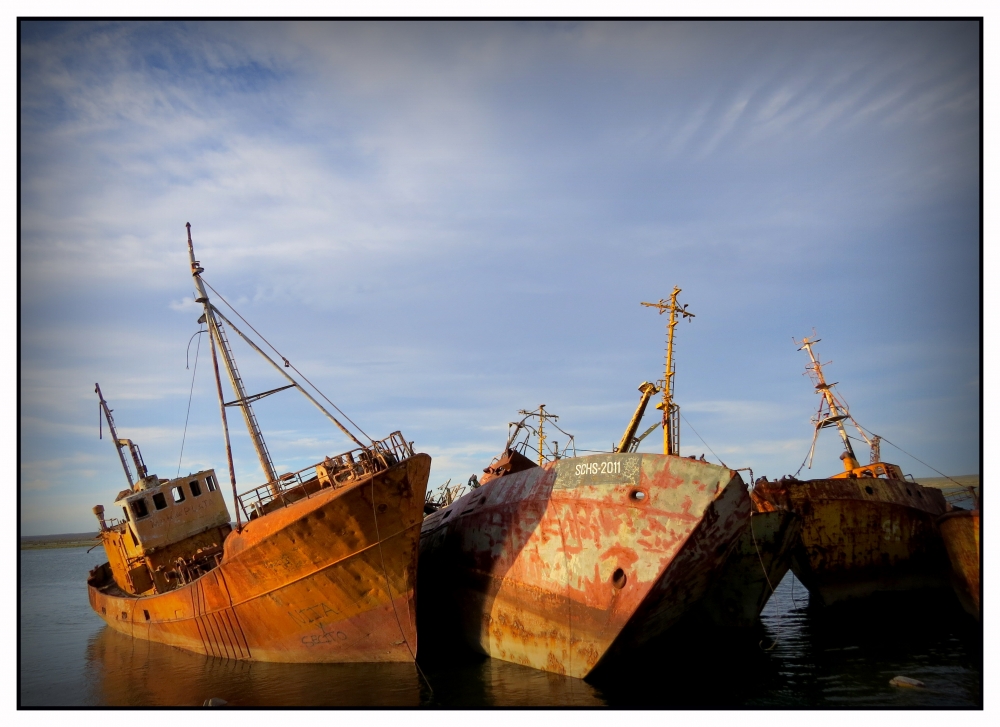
[
  {"x": 146, "y": 614},
  {"x": 618, "y": 578},
  {"x": 869, "y": 490},
  {"x": 637, "y": 495},
  {"x": 124, "y": 616}
]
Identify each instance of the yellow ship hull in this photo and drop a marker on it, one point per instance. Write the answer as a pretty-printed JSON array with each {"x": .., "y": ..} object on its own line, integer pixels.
[{"x": 867, "y": 535}]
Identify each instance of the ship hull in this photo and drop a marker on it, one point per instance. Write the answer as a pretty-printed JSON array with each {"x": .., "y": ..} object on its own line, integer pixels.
[
  {"x": 561, "y": 566},
  {"x": 863, "y": 536},
  {"x": 758, "y": 562},
  {"x": 330, "y": 578},
  {"x": 960, "y": 532}
]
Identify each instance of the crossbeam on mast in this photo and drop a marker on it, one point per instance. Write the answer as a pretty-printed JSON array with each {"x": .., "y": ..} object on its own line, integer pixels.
[{"x": 256, "y": 397}]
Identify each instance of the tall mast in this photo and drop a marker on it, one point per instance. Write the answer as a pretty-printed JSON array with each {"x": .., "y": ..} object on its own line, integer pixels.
[
  {"x": 837, "y": 416},
  {"x": 671, "y": 411},
  {"x": 541, "y": 434},
  {"x": 218, "y": 335},
  {"x": 114, "y": 435}
]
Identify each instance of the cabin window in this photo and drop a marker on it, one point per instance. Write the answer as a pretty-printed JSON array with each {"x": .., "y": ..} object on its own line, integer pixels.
[
  {"x": 125, "y": 510},
  {"x": 178, "y": 493},
  {"x": 195, "y": 488},
  {"x": 210, "y": 481},
  {"x": 159, "y": 501},
  {"x": 139, "y": 508}
]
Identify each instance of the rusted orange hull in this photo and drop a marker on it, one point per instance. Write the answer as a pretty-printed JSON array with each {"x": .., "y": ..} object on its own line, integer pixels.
[
  {"x": 861, "y": 536},
  {"x": 330, "y": 578},
  {"x": 755, "y": 567},
  {"x": 960, "y": 532},
  {"x": 560, "y": 566}
]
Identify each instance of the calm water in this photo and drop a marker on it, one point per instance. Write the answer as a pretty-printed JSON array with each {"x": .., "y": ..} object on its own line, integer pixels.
[{"x": 799, "y": 657}]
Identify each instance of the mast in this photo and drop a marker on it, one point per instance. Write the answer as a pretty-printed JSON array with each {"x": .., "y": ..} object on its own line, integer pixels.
[
  {"x": 671, "y": 411},
  {"x": 542, "y": 416},
  {"x": 836, "y": 416},
  {"x": 219, "y": 338},
  {"x": 114, "y": 435}
]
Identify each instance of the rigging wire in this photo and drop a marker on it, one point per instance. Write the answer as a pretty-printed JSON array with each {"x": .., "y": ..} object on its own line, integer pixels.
[
  {"x": 702, "y": 440},
  {"x": 187, "y": 417},
  {"x": 287, "y": 363},
  {"x": 910, "y": 455},
  {"x": 796, "y": 475}
]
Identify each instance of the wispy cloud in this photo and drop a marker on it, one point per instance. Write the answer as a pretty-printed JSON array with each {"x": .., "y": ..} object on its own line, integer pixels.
[{"x": 443, "y": 223}]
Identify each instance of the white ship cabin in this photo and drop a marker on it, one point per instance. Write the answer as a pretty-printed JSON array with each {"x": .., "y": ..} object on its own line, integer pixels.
[{"x": 163, "y": 512}]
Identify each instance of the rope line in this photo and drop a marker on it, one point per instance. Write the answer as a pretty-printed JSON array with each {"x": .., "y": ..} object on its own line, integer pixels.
[
  {"x": 285, "y": 360},
  {"x": 702, "y": 440},
  {"x": 910, "y": 455},
  {"x": 187, "y": 417},
  {"x": 767, "y": 578},
  {"x": 388, "y": 589}
]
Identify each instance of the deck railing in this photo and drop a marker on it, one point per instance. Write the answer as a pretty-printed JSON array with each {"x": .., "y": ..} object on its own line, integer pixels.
[{"x": 334, "y": 472}]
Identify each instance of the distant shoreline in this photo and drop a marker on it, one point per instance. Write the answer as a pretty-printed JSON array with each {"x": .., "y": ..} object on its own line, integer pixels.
[
  {"x": 45, "y": 545},
  {"x": 64, "y": 540}
]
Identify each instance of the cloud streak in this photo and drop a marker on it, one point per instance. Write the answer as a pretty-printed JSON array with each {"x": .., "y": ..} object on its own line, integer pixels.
[{"x": 443, "y": 223}]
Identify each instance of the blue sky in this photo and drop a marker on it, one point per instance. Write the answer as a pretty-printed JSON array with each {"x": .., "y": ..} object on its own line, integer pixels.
[{"x": 443, "y": 223}]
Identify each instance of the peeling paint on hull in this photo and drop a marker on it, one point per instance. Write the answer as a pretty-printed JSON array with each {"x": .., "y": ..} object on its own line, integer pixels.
[
  {"x": 558, "y": 566},
  {"x": 960, "y": 532},
  {"x": 330, "y": 578},
  {"x": 861, "y": 536}
]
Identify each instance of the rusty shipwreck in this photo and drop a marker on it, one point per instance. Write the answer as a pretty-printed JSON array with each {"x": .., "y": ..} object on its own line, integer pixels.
[
  {"x": 320, "y": 566},
  {"x": 868, "y": 528},
  {"x": 562, "y": 563}
]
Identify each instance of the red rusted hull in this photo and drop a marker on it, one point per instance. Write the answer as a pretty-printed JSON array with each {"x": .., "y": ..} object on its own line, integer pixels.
[
  {"x": 330, "y": 578},
  {"x": 559, "y": 566},
  {"x": 960, "y": 532},
  {"x": 861, "y": 536},
  {"x": 755, "y": 567}
]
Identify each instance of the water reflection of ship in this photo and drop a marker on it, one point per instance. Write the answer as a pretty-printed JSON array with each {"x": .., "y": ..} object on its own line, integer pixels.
[
  {"x": 129, "y": 672},
  {"x": 324, "y": 570}
]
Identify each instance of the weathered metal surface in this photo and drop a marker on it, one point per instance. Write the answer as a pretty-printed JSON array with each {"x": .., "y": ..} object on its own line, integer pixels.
[
  {"x": 860, "y": 536},
  {"x": 509, "y": 462},
  {"x": 330, "y": 578},
  {"x": 960, "y": 532},
  {"x": 757, "y": 564},
  {"x": 556, "y": 567}
]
